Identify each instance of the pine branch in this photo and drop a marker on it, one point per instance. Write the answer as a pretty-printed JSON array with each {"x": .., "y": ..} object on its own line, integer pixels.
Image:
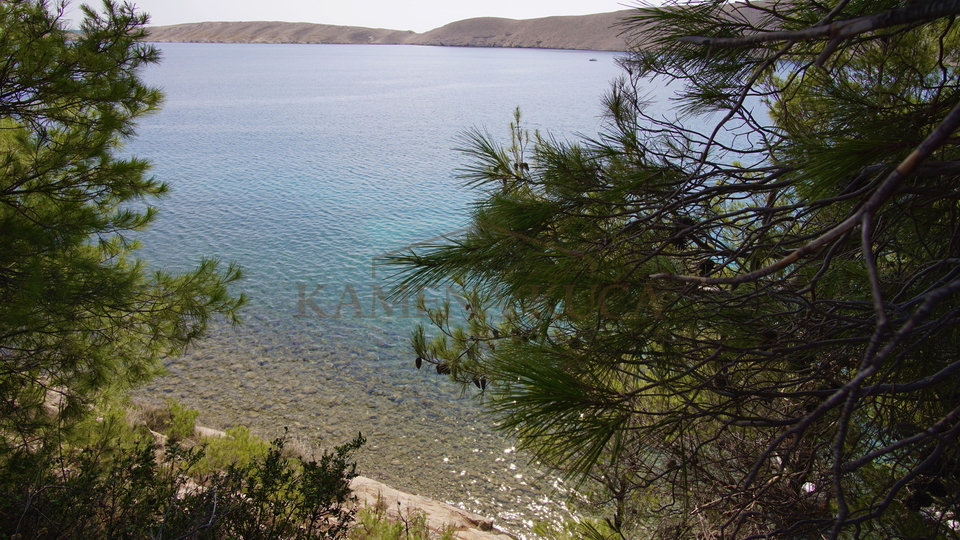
[
  {"x": 841, "y": 30},
  {"x": 889, "y": 186}
]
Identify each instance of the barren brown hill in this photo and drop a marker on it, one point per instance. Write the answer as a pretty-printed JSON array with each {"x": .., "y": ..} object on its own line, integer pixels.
[
  {"x": 597, "y": 32},
  {"x": 274, "y": 32}
]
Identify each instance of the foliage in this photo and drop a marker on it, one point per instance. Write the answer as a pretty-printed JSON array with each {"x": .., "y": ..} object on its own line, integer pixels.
[
  {"x": 372, "y": 523},
  {"x": 172, "y": 419},
  {"x": 239, "y": 448},
  {"x": 741, "y": 320},
  {"x": 577, "y": 530},
  {"x": 182, "y": 421},
  {"x": 80, "y": 316},
  {"x": 117, "y": 483}
]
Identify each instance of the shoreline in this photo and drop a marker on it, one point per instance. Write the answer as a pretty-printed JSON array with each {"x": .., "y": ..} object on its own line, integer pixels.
[
  {"x": 422, "y": 438},
  {"x": 597, "y": 32},
  {"x": 397, "y": 505}
]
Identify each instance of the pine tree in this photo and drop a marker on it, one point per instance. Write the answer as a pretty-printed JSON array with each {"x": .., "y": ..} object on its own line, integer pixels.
[
  {"x": 80, "y": 315},
  {"x": 740, "y": 316}
]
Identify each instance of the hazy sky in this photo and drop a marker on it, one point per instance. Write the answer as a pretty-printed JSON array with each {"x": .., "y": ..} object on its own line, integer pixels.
[{"x": 417, "y": 15}]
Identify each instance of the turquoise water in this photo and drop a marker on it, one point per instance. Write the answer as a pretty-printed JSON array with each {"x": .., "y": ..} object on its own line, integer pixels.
[{"x": 303, "y": 163}]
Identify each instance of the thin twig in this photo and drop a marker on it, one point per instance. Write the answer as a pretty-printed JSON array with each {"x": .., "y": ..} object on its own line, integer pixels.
[
  {"x": 886, "y": 189},
  {"x": 841, "y": 30}
]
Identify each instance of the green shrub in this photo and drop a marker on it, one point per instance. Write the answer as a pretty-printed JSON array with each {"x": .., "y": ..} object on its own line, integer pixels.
[
  {"x": 183, "y": 421},
  {"x": 133, "y": 489},
  {"x": 372, "y": 523},
  {"x": 239, "y": 448},
  {"x": 173, "y": 420},
  {"x": 583, "y": 529}
]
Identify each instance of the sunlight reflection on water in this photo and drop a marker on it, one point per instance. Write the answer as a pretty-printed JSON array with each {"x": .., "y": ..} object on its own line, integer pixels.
[{"x": 303, "y": 163}]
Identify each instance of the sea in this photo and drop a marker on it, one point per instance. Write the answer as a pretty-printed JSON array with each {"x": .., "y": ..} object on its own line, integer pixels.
[{"x": 306, "y": 164}]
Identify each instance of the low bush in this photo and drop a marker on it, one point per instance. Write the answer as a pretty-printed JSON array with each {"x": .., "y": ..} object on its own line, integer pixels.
[
  {"x": 239, "y": 448},
  {"x": 119, "y": 483},
  {"x": 373, "y": 523}
]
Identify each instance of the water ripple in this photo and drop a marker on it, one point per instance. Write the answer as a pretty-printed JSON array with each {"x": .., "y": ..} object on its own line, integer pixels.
[{"x": 303, "y": 163}]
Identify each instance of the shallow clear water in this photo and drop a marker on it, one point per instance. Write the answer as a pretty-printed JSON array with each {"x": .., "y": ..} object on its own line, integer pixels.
[{"x": 303, "y": 163}]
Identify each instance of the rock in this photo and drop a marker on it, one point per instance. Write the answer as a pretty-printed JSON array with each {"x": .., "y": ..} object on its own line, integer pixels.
[
  {"x": 202, "y": 432},
  {"x": 468, "y": 526}
]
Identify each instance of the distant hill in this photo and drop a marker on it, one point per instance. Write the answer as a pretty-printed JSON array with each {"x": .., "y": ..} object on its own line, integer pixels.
[{"x": 599, "y": 32}]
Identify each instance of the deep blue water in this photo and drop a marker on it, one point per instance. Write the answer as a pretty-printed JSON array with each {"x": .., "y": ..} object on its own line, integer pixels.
[{"x": 303, "y": 163}]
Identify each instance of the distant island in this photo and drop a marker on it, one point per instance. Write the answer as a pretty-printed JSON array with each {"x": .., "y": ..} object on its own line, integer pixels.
[{"x": 598, "y": 32}]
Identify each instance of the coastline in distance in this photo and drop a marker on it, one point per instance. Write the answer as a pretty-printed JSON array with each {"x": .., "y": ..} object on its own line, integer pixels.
[{"x": 597, "y": 32}]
